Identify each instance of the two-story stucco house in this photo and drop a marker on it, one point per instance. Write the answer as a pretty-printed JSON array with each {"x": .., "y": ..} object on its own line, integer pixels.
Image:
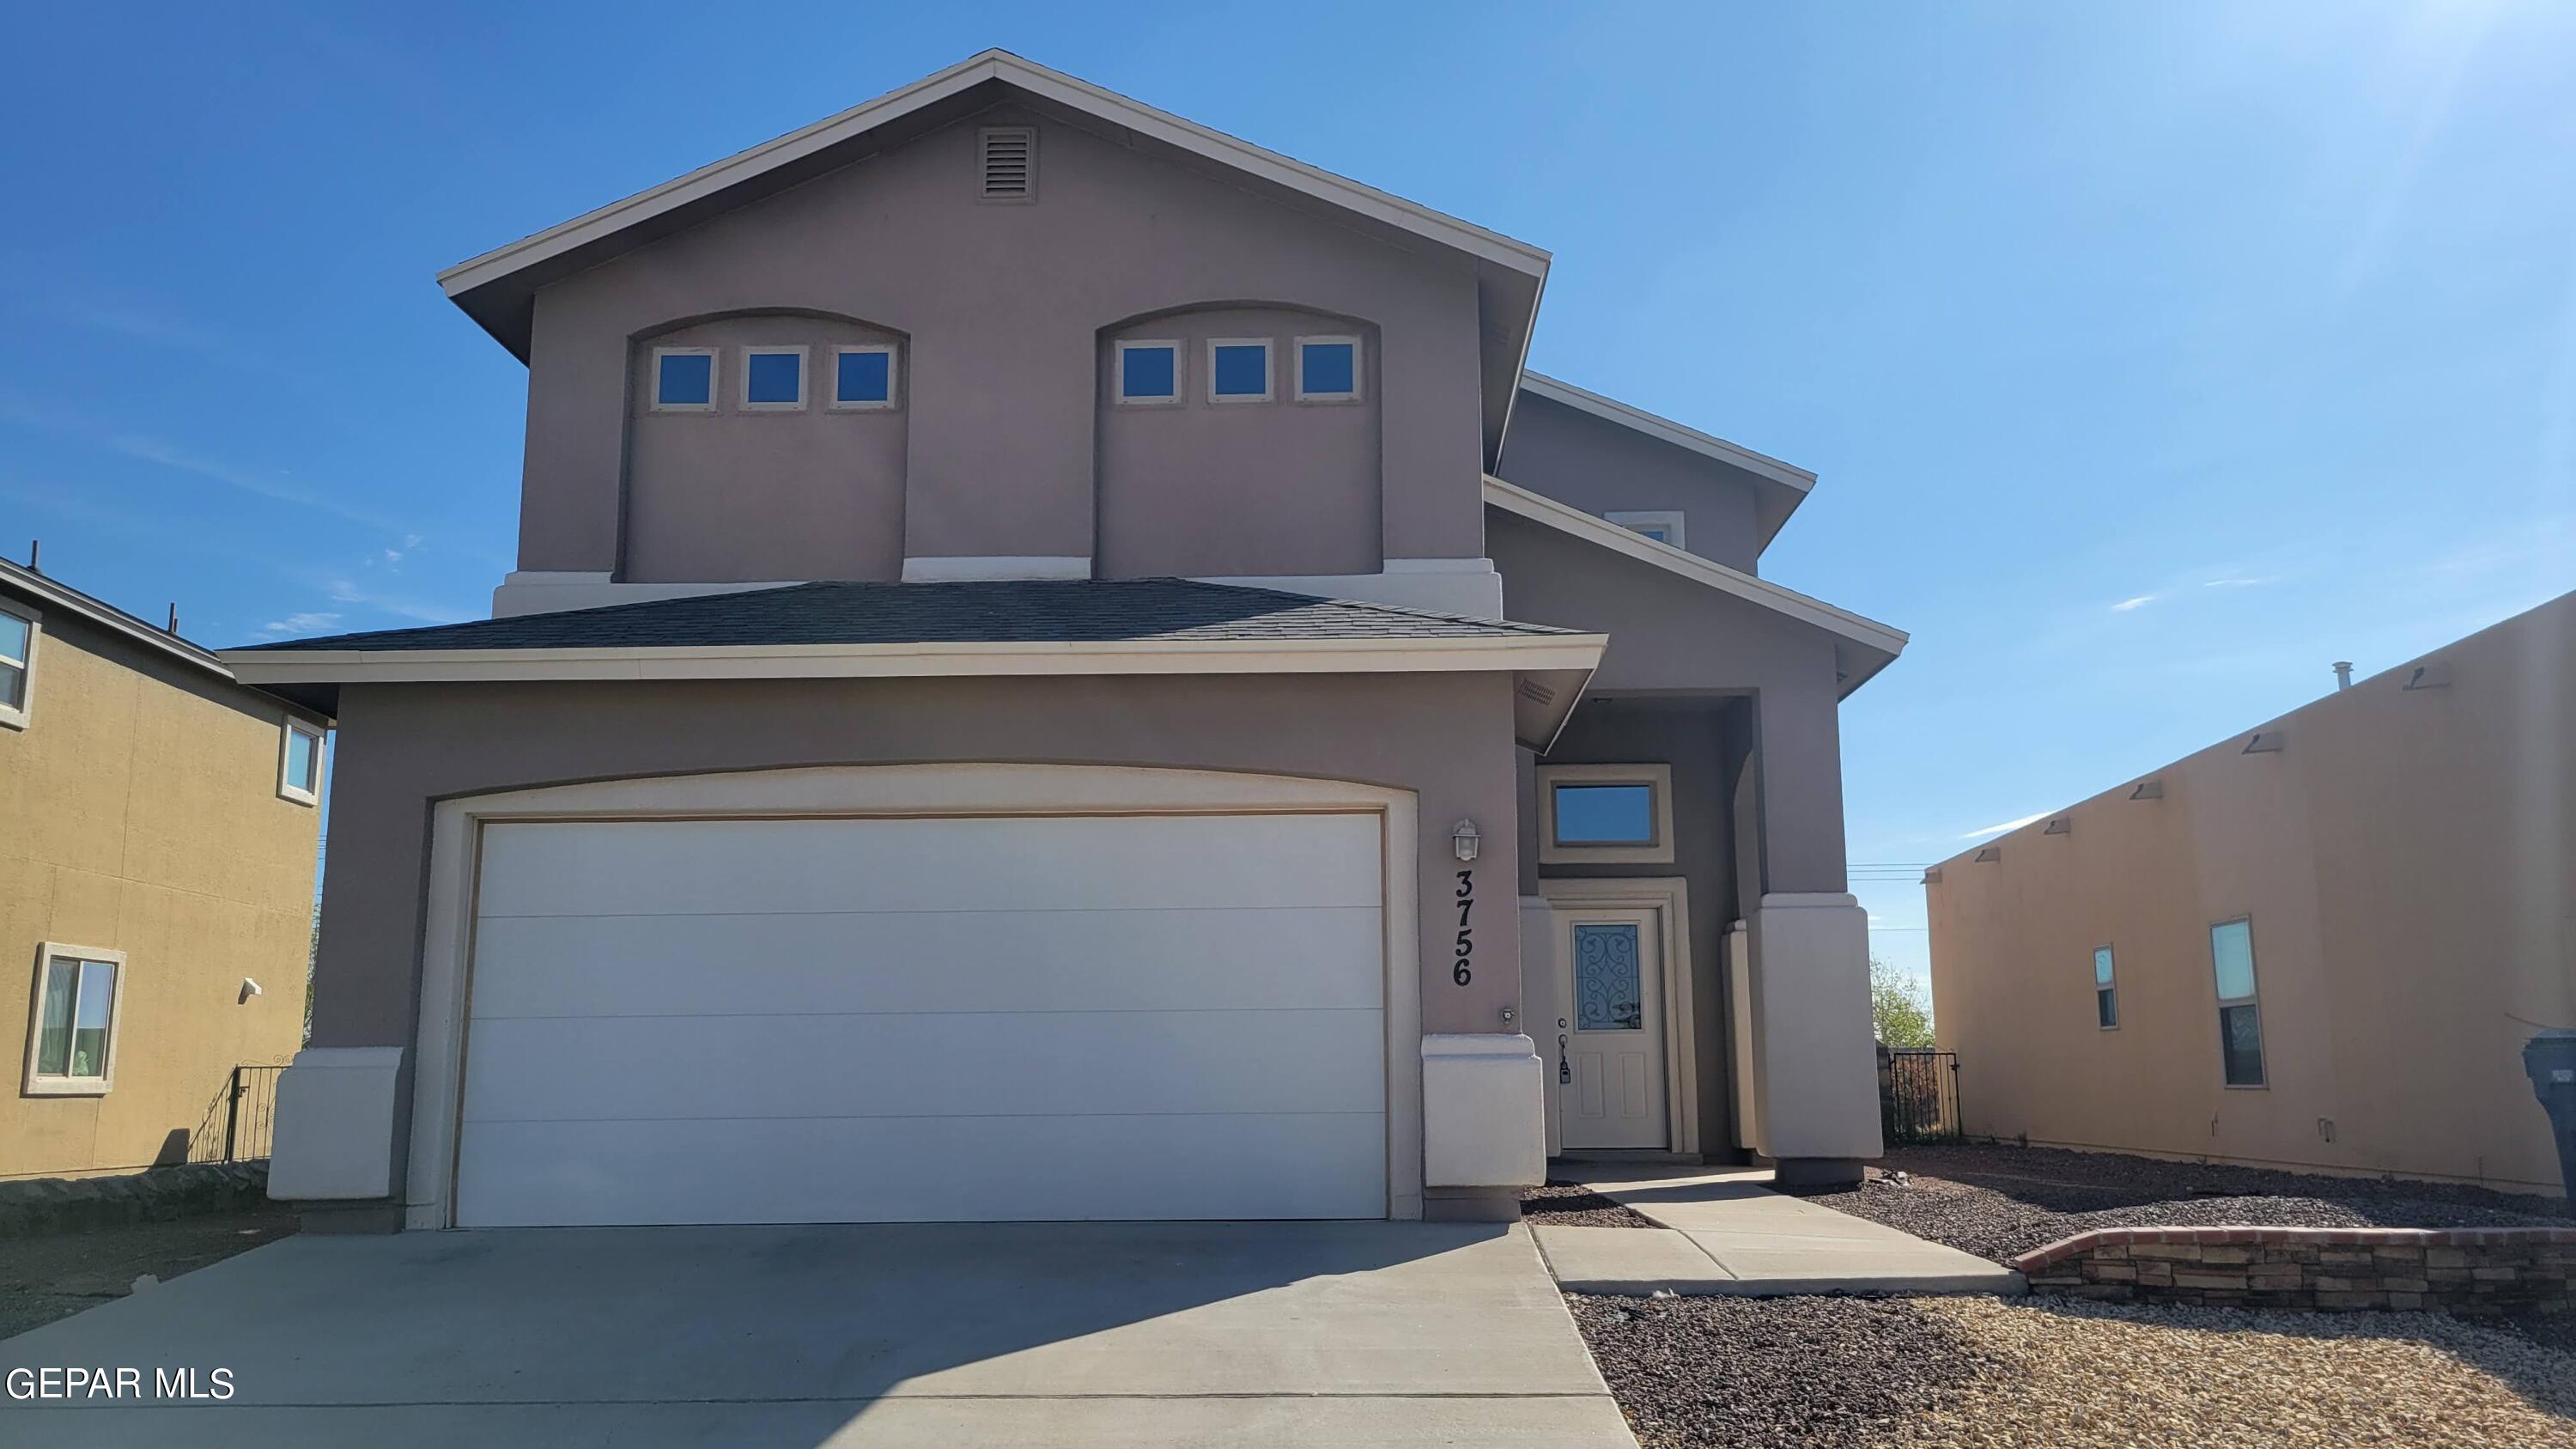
[
  {"x": 159, "y": 826},
  {"x": 1061, "y": 668}
]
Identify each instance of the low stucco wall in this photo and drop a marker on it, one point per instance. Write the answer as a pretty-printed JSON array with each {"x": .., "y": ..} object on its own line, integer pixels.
[
  {"x": 2404, "y": 860},
  {"x": 1448, "y": 738},
  {"x": 143, "y": 816}
]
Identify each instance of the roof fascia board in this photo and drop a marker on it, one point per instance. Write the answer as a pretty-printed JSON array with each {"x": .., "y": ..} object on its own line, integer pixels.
[
  {"x": 888, "y": 661},
  {"x": 109, "y": 617},
  {"x": 1037, "y": 80},
  {"x": 1841, "y": 623},
  {"x": 1788, "y": 475}
]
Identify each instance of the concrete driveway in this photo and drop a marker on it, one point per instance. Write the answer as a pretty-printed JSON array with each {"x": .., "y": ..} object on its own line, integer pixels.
[{"x": 1085, "y": 1334}]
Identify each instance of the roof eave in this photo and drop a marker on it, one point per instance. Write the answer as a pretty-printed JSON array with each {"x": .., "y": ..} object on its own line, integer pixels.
[
  {"x": 1867, "y": 637},
  {"x": 1784, "y": 485}
]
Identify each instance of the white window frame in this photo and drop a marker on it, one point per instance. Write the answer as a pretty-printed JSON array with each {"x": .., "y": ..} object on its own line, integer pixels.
[
  {"x": 1118, "y": 373},
  {"x": 1658, "y": 779},
  {"x": 1359, "y": 367},
  {"x": 804, "y": 379},
  {"x": 47, "y": 952},
  {"x": 894, "y": 379},
  {"x": 2263, "y": 1042},
  {"x": 15, "y": 716},
  {"x": 1269, "y": 370},
  {"x": 715, "y": 380},
  {"x": 287, "y": 789},
  {"x": 1638, "y": 520},
  {"x": 2100, "y": 986}
]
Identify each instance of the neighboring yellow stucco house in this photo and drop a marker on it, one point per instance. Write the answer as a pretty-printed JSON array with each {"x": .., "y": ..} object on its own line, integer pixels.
[{"x": 159, "y": 826}]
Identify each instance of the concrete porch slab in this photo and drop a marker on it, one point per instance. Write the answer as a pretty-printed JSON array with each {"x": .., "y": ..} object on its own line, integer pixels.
[
  {"x": 1634, "y": 1261},
  {"x": 1765, "y": 1244}
]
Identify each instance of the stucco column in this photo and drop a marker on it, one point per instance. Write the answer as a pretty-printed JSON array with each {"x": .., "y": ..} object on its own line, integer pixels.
[{"x": 1804, "y": 997}]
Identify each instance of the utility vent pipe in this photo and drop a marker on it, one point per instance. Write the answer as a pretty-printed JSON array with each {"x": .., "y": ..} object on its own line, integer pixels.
[{"x": 2343, "y": 673}]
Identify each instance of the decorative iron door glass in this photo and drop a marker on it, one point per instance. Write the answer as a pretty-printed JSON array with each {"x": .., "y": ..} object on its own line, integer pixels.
[{"x": 1612, "y": 1032}]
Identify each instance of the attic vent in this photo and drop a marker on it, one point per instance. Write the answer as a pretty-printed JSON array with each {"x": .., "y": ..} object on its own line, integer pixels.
[{"x": 1008, "y": 160}]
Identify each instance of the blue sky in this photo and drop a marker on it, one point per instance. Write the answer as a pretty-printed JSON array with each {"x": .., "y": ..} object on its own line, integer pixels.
[{"x": 2152, "y": 356}]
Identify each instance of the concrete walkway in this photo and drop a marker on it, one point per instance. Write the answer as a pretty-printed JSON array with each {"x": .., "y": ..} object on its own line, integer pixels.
[
  {"x": 1059, "y": 1336},
  {"x": 1725, "y": 1231}
]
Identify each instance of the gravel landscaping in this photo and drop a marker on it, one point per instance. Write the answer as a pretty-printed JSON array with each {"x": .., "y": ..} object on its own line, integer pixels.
[
  {"x": 2048, "y": 1372},
  {"x": 1997, "y": 1201},
  {"x": 46, "y": 1276},
  {"x": 1571, "y": 1205}
]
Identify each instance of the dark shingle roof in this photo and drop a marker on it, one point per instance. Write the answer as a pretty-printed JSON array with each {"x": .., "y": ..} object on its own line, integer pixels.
[{"x": 1068, "y": 611}]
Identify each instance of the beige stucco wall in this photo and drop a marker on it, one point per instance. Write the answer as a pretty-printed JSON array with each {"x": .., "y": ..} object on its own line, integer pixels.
[
  {"x": 2408, "y": 862},
  {"x": 143, "y": 816}
]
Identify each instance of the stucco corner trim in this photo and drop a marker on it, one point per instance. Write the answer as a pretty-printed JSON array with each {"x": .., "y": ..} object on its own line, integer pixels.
[{"x": 1483, "y": 1111}]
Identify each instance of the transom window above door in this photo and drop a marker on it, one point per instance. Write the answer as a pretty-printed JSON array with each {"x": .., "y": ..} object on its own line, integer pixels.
[{"x": 1615, "y": 814}]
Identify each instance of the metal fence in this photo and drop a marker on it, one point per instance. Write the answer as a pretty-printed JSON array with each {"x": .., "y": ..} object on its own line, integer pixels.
[
  {"x": 1918, "y": 1096},
  {"x": 241, "y": 1121}
]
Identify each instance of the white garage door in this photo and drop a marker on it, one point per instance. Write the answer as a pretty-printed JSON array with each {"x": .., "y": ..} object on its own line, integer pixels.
[{"x": 888, "y": 1020}]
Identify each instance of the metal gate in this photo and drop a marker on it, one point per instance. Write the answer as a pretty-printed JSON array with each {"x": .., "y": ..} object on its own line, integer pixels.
[{"x": 1918, "y": 1096}]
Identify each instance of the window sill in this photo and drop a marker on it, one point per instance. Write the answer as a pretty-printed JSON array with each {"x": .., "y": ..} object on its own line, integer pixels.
[{"x": 66, "y": 1087}]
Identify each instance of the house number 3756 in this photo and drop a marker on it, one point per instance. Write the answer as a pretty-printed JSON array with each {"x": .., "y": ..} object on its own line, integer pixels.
[{"x": 1464, "y": 971}]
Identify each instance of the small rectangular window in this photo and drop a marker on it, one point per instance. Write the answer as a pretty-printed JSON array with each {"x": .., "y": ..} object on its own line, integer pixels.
[
  {"x": 18, "y": 633},
  {"x": 2106, "y": 996},
  {"x": 1663, "y": 525},
  {"x": 1239, "y": 369},
  {"x": 1610, "y": 814},
  {"x": 863, "y": 377},
  {"x": 299, "y": 763},
  {"x": 1149, "y": 372},
  {"x": 684, "y": 379},
  {"x": 72, "y": 1044},
  {"x": 1328, "y": 369},
  {"x": 2240, "y": 1016},
  {"x": 773, "y": 379}
]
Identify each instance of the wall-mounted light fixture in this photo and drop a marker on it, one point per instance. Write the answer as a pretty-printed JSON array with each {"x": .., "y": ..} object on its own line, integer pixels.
[{"x": 1464, "y": 838}]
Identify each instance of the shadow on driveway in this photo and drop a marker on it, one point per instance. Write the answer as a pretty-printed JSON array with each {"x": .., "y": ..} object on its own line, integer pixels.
[{"x": 1038, "y": 1334}]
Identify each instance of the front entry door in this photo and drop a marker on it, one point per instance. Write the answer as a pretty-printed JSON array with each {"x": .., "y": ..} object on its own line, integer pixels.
[{"x": 1610, "y": 1030}]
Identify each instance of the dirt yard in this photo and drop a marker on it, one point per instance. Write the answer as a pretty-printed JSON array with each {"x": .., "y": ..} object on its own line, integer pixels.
[{"x": 46, "y": 1276}]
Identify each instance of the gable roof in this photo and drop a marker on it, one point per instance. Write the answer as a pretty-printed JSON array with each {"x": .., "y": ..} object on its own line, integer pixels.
[
  {"x": 1782, "y": 486},
  {"x": 1001, "y": 627},
  {"x": 1862, "y": 646},
  {"x": 498, "y": 288}
]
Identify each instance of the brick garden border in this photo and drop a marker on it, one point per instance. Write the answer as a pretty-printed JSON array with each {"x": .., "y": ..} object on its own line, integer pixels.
[{"x": 2474, "y": 1271}]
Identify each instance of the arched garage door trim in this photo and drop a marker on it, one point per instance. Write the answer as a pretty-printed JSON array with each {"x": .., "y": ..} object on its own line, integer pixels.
[{"x": 890, "y": 791}]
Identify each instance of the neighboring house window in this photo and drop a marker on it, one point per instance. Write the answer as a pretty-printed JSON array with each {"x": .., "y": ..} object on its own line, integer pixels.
[
  {"x": 863, "y": 377},
  {"x": 18, "y": 633},
  {"x": 684, "y": 379},
  {"x": 773, "y": 379},
  {"x": 72, "y": 1050},
  {"x": 2240, "y": 1020},
  {"x": 299, "y": 763},
  {"x": 1606, "y": 814},
  {"x": 2106, "y": 997},
  {"x": 1328, "y": 369},
  {"x": 1661, "y": 525},
  {"x": 1149, "y": 372},
  {"x": 1239, "y": 369}
]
